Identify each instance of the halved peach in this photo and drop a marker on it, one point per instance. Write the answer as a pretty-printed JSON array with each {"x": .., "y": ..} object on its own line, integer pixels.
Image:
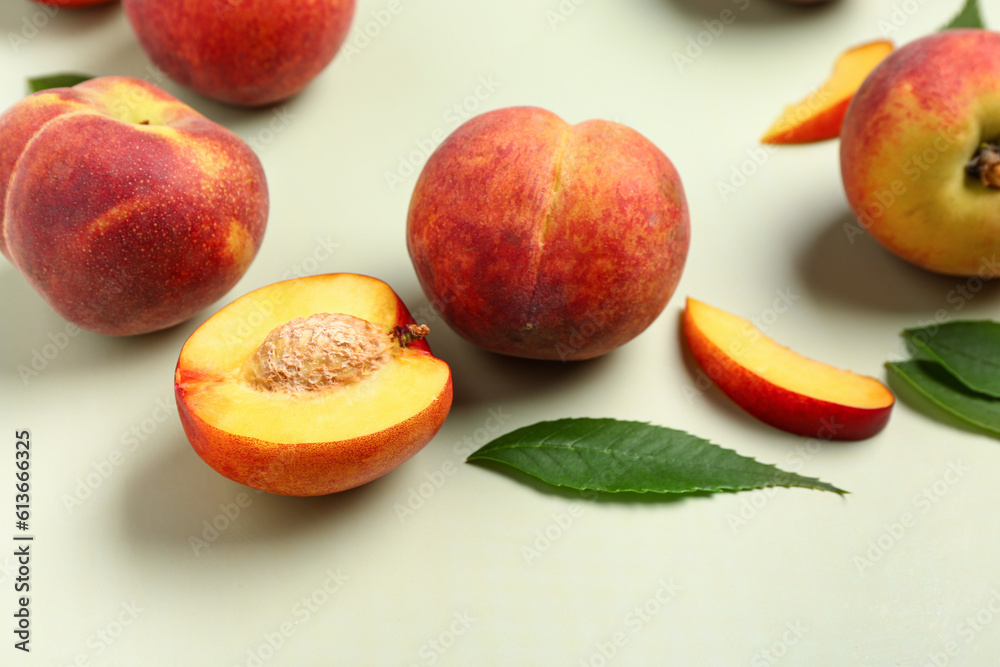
[
  {"x": 820, "y": 115},
  {"x": 311, "y": 386},
  {"x": 779, "y": 386}
]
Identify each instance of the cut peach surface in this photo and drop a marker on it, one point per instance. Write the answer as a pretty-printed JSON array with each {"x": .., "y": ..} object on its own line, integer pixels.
[
  {"x": 819, "y": 116},
  {"x": 311, "y": 386},
  {"x": 779, "y": 386}
]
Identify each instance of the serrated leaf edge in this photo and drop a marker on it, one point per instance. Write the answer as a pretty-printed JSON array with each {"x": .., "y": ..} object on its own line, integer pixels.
[{"x": 813, "y": 483}]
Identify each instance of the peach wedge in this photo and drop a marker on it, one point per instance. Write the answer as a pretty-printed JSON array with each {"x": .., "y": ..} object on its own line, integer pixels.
[
  {"x": 819, "y": 116},
  {"x": 779, "y": 386},
  {"x": 311, "y": 386}
]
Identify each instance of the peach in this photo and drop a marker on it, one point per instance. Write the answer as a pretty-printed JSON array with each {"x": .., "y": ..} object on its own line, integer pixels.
[
  {"x": 125, "y": 209},
  {"x": 779, "y": 386},
  {"x": 920, "y": 149},
  {"x": 820, "y": 115},
  {"x": 541, "y": 239},
  {"x": 242, "y": 52},
  {"x": 311, "y": 386}
]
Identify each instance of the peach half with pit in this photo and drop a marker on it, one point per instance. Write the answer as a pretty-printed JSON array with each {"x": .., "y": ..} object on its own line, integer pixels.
[{"x": 311, "y": 386}]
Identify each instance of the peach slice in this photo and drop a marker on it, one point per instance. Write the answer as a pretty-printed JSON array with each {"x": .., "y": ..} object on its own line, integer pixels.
[
  {"x": 780, "y": 387},
  {"x": 311, "y": 386},
  {"x": 819, "y": 116}
]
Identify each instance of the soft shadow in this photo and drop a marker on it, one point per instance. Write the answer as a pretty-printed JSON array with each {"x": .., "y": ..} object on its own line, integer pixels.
[
  {"x": 486, "y": 378},
  {"x": 752, "y": 11},
  {"x": 34, "y": 18},
  {"x": 174, "y": 498},
  {"x": 845, "y": 264},
  {"x": 782, "y": 441},
  {"x": 724, "y": 406},
  {"x": 39, "y": 344},
  {"x": 906, "y": 393}
]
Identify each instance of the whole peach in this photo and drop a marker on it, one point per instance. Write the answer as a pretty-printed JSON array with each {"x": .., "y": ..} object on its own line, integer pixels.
[
  {"x": 920, "y": 152},
  {"x": 541, "y": 239},
  {"x": 243, "y": 52},
  {"x": 125, "y": 209}
]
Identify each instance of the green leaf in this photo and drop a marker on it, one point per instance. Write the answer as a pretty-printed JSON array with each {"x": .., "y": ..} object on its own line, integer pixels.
[
  {"x": 64, "y": 80},
  {"x": 941, "y": 388},
  {"x": 969, "y": 17},
  {"x": 968, "y": 349},
  {"x": 615, "y": 456}
]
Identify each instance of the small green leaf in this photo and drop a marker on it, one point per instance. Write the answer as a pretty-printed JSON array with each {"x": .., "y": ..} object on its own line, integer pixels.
[
  {"x": 64, "y": 80},
  {"x": 941, "y": 388},
  {"x": 969, "y": 17},
  {"x": 618, "y": 456},
  {"x": 968, "y": 349}
]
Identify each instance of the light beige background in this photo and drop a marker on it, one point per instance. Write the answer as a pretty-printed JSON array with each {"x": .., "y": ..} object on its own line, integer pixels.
[{"x": 488, "y": 569}]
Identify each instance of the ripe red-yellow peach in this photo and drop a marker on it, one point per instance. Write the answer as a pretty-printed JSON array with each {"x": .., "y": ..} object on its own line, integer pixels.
[
  {"x": 779, "y": 386},
  {"x": 242, "y": 52},
  {"x": 127, "y": 210},
  {"x": 311, "y": 386},
  {"x": 541, "y": 239},
  {"x": 920, "y": 152}
]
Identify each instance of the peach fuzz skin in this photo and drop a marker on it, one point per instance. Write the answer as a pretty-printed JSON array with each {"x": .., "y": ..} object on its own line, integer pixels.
[
  {"x": 310, "y": 469},
  {"x": 296, "y": 464},
  {"x": 794, "y": 410},
  {"x": 541, "y": 239},
  {"x": 124, "y": 208},
  {"x": 241, "y": 52},
  {"x": 913, "y": 125}
]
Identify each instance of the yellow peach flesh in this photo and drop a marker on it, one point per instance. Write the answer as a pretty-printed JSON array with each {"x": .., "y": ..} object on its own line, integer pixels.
[
  {"x": 749, "y": 348},
  {"x": 407, "y": 384},
  {"x": 819, "y": 116}
]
